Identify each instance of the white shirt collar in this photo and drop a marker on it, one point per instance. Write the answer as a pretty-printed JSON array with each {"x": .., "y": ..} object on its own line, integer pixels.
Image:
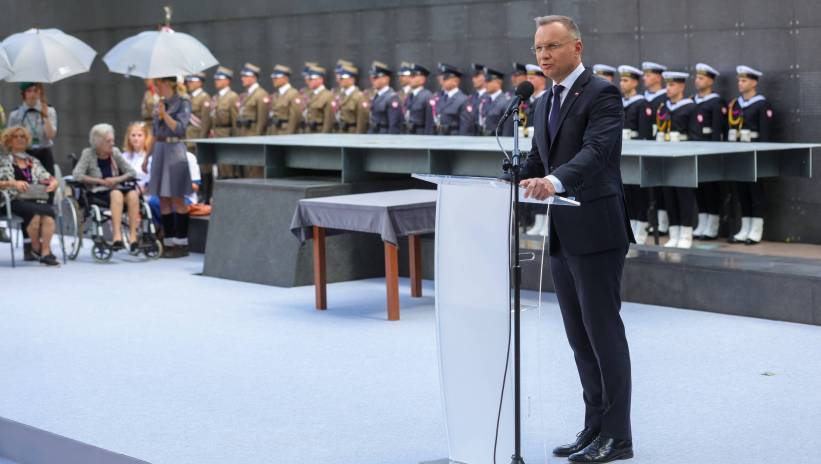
[
  {"x": 537, "y": 95},
  {"x": 481, "y": 92},
  {"x": 416, "y": 91},
  {"x": 652, "y": 95},
  {"x": 382, "y": 91},
  {"x": 407, "y": 89},
  {"x": 319, "y": 89},
  {"x": 629, "y": 101},
  {"x": 674, "y": 106},
  {"x": 196, "y": 92},
  {"x": 224, "y": 90},
  {"x": 284, "y": 88},
  {"x": 350, "y": 90},
  {"x": 745, "y": 103},
  {"x": 253, "y": 87},
  {"x": 568, "y": 81},
  {"x": 494, "y": 95},
  {"x": 699, "y": 99},
  {"x": 452, "y": 92}
]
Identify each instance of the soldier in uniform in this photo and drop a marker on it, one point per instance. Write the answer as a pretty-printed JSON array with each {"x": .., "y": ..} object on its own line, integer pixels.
[
  {"x": 750, "y": 118},
  {"x": 417, "y": 103},
  {"x": 518, "y": 75},
  {"x": 252, "y": 110},
  {"x": 674, "y": 119},
  {"x": 654, "y": 95},
  {"x": 496, "y": 102},
  {"x": 386, "y": 109},
  {"x": 150, "y": 98},
  {"x": 350, "y": 107},
  {"x": 452, "y": 113},
  {"x": 710, "y": 120},
  {"x": 199, "y": 125},
  {"x": 285, "y": 113},
  {"x": 404, "y": 76},
  {"x": 318, "y": 115},
  {"x": 606, "y": 72},
  {"x": 223, "y": 121},
  {"x": 636, "y": 127},
  {"x": 477, "y": 98}
]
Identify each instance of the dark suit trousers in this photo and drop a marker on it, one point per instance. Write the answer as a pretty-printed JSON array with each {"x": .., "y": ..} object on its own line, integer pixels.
[
  {"x": 588, "y": 288},
  {"x": 681, "y": 205}
]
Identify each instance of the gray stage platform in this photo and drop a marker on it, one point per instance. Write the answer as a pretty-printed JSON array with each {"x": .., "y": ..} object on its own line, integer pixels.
[{"x": 362, "y": 157}]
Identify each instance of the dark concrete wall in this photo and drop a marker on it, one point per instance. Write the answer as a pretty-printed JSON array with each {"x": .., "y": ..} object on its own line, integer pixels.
[{"x": 778, "y": 37}]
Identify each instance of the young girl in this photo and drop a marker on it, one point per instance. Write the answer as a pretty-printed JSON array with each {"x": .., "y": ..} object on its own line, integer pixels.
[
  {"x": 137, "y": 144},
  {"x": 170, "y": 177}
]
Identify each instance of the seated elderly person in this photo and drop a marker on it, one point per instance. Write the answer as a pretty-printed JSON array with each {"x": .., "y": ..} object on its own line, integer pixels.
[
  {"x": 29, "y": 184},
  {"x": 109, "y": 178}
]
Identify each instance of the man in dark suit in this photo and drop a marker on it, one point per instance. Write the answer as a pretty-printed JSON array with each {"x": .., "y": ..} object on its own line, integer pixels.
[{"x": 576, "y": 152}]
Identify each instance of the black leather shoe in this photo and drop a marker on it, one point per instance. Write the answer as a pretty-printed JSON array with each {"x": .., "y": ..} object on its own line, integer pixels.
[
  {"x": 583, "y": 438},
  {"x": 604, "y": 449}
]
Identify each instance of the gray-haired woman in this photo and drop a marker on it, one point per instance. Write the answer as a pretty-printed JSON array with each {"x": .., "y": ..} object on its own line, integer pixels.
[
  {"x": 170, "y": 176},
  {"x": 107, "y": 174}
]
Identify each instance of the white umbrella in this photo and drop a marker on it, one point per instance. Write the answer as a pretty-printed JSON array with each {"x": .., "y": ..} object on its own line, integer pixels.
[
  {"x": 163, "y": 53},
  {"x": 46, "y": 55},
  {"x": 5, "y": 66}
]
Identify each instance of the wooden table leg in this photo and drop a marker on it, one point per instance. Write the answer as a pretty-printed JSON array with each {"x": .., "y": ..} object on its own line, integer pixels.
[
  {"x": 392, "y": 280},
  {"x": 415, "y": 258},
  {"x": 320, "y": 277}
]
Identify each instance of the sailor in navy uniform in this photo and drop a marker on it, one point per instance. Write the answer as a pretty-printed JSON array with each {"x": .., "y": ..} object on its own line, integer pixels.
[
  {"x": 636, "y": 127},
  {"x": 453, "y": 113},
  {"x": 418, "y": 118},
  {"x": 750, "y": 119},
  {"x": 496, "y": 102},
  {"x": 386, "y": 109},
  {"x": 606, "y": 72},
  {"x": 654, "y": 95},
  {"x": 675, "y": 121},
  {"x": 710, "y": 121}
]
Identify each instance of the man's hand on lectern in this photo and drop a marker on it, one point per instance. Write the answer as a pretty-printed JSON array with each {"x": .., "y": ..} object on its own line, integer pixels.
[{"x": 538, "y": 188}]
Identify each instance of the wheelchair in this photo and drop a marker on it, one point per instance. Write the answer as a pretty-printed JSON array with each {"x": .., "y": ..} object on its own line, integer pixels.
[{"x": 86, "y": 214}]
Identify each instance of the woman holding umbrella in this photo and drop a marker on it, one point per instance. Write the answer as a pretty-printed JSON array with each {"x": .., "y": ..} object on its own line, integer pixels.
[{"x": 170, "y": 176}]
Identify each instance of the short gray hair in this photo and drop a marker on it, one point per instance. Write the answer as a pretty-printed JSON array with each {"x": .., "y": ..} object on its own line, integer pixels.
[
  {"x": 95, "y": 136},
  {"x": 565, "y": 21}
]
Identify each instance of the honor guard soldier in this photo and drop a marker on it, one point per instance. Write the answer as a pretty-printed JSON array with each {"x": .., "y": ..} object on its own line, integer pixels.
[
  {"x": 199, "y": 125},
  {"x": 710, "y": 122},
  {"x": 252, "y": 109},
  {"x": 386, "y": 109},
  {"x": 340, "y": 63},
  {"x": 418, "y": 118},
  {"x": 750, "y": 118},
  {"x": 305, "y": 90},
  {"x": 150, "y": 99},
  {"x": 404, "y": 76},
  {"x": 477, "y": 98},
  {"x": 654, "y": 95},
  {"x": 496, "y": 102},
  {"x": 224, "y": 114},
  {"x": 674, "y": 119},
  {"x": 518, "y": 75},
  {"x": 200, "y": 121},
  {"x": 350, "y": 107},
  {"x": 285, "y": 114},
  {"x": 636, "y": 127},
  {"x": 453, "y": 113},
  {"x": 606, "y": 72},
  {"x": 318, "y": 114}
]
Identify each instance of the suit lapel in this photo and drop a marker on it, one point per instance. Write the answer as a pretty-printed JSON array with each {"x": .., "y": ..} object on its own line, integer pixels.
[{"x": 572, "y": 96}]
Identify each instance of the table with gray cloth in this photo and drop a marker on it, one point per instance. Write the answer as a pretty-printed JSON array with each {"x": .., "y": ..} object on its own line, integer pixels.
[{"x": 391, "y": 214}]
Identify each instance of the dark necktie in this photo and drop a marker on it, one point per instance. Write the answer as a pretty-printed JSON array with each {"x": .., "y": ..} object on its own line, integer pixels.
[{"x": 555, "y": 108}]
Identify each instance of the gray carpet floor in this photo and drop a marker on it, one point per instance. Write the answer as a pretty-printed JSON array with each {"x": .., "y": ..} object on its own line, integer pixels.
[{"x": 153, "y": 361}]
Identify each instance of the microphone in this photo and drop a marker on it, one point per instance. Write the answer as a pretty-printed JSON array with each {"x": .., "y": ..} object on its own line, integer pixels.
[{"x": 523, "y": 92}]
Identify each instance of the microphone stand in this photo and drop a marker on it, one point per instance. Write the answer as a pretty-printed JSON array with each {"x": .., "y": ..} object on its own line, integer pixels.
[{"x": 515, "y": 170}]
